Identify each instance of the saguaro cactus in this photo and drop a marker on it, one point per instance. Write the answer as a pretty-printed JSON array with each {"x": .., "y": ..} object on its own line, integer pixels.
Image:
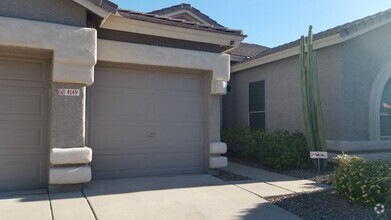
[{"x": 312, "y": 106}]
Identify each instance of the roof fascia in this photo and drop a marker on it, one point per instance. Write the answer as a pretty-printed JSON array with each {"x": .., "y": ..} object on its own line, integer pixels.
[
  {"x": 320, "y": 43},
  {"x": 236, "y": 58},
  {"x": 115, "y": 22},
  {"x": 323, "y": 42},
  {"x": 189, "y": 13},
  {"x": 94, "y": 8}
]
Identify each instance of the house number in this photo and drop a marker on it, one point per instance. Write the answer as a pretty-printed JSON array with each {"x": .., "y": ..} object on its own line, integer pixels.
[{"x": 68, "y": 92}]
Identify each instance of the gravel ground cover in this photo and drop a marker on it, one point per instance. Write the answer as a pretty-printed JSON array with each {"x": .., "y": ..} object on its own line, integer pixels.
[
  {"x": 324, "y": 205},
  {"x": 321, "y": 176}
]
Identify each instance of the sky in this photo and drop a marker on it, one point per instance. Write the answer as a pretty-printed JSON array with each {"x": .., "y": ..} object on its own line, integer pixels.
[{"x": 273, "y": 22}]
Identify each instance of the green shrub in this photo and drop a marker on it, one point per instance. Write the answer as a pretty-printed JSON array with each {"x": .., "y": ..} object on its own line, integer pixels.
[
  {"x": 345, "y": 159},
  {"x": 284, "y": 150},
  {"x": 364, "y": 182},
  {"x": 279, "y": 149},
  {"x": 239, "y": 141}
]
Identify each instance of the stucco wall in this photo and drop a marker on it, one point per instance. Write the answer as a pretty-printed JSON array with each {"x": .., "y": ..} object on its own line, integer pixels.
[
  {"x": 67, "y": 123},
  {"x": 283, "y": 93},
  {"x": 363, "y": 58},
  {"x": 282, "y": 101},
  {"x": 56, "y": 11}
]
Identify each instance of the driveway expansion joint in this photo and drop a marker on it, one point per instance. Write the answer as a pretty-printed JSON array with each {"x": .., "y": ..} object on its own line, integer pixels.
[
  {"x": 89, "y": 204},
  {"x": 50, "y": 205}
]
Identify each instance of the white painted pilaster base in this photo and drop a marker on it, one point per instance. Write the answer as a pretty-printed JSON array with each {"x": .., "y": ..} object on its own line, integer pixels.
[
  {"x": 218, "y": 148},
  {"x": 78, "y": 155},
  {"x": 218, "y": 162},
  {"x": 69, "y": 175}
]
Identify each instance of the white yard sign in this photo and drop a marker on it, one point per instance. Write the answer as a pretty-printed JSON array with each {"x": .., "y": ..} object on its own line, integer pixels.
[
  {"x": 69, "y": 92},
  {"x": 318, "y": 155}
]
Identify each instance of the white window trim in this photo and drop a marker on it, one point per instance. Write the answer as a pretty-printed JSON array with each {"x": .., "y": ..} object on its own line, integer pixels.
[{"x": 375, "y": 101}]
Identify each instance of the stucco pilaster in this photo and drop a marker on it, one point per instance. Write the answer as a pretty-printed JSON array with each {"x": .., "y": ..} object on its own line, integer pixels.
[{"x": 68, "y": 117}]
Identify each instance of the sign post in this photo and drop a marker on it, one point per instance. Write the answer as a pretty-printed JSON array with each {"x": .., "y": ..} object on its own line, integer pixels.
[{"x": 318, "y": 155}]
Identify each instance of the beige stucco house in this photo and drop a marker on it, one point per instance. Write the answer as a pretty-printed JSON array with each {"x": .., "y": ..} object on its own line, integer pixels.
[{"x": 91, "y": 91}]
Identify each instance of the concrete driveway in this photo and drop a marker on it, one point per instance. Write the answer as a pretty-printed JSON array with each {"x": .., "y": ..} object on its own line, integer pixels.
[{"x": 175, "y": 197}]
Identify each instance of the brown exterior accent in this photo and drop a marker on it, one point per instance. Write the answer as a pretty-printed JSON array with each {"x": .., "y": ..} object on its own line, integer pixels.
[
  {"x": 188, "y": 7},
  {"x": 157, "y": 41},
  {"x": 247, "y": 50},
  {"x": 177, "y": 22},
  {"x": 342, "y": 30}
]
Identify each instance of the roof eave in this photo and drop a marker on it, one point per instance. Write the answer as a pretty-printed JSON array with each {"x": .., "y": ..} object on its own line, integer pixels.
[
  {"x": 102, "y": 8},
  {"x": 225, "y": 40},
  {"x": 319, "y": 43}
]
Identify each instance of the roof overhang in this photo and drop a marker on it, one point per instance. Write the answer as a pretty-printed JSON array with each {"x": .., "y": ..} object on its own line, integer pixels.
[
  {"x": 324, "y": 42},
  {"x": 236, "y": 58},
  {"x": 119, "y": 23},
  {"x": 318, "y": 44},
  {"x": 102, "y": 8},
  {"x": 189, "y": 13}
]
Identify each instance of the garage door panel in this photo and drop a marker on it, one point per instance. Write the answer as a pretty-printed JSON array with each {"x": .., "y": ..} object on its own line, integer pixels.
[
  {"x": 183, "y": 84},
  {"x": 32, "y": 167},
  {"x": 178, "y": 146},
  {"x": 114, "y": 166},
  {"x": 21, "y": 103},
  {"x": 145, "y": 148},
  {"x": 21, "y": 138},
  {"x": 190, "y": 134},
  {"x": 22, "y": 70},
  {"x": 119, "y": 134},
  {"x": 121, "y": 79},
  {"x": 122, "y": 162},
  {"x": 177, "y": 108},
  {"x": 114, "y": 106},
  {"x": 163, "y": 161}
]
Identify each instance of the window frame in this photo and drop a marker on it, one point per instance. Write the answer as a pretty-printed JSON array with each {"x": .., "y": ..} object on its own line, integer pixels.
[
  {"x": 230, "y": 89},
  {"x": 383, "y": 113},
  {"x": 257, "y": 111}
]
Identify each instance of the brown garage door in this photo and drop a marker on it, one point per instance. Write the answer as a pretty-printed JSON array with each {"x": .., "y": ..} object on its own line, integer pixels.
[
  {"x": 23, "y": 123},
  {"x": 145, "y": 123}
]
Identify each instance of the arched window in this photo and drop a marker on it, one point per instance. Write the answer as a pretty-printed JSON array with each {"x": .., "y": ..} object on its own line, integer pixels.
[{"x": 385, "y": 118}]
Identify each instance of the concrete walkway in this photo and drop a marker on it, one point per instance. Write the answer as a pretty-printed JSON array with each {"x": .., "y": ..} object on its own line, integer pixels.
[
  {"x": 190, "y": 197},
  {"x": 268, "y": 184},
  {"x": 170, "y": 197}
]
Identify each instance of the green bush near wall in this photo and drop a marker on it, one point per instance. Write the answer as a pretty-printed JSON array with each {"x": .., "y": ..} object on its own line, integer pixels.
[
  {"x": 363, "y": 182},
  {"x": 279, "y": 149}
]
